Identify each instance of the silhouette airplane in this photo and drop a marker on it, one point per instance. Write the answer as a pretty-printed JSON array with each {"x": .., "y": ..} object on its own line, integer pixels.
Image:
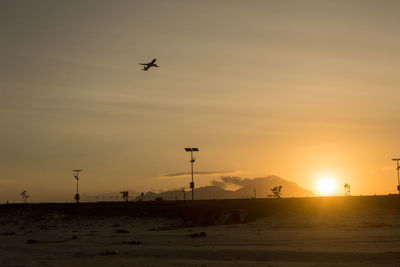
[{"x": 147, "y": 66}]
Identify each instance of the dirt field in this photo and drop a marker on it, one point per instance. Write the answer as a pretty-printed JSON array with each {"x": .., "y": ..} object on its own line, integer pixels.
[{"x": 355, "y": 231}]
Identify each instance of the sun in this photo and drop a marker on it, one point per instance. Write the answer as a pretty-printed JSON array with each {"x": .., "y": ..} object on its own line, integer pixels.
[{"x": 326, "y": 186}]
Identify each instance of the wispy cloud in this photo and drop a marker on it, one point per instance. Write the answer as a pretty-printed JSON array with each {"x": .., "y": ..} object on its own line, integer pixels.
[
  {"x": 225, "y": 181},
  {"x": 180, "y": 174}
]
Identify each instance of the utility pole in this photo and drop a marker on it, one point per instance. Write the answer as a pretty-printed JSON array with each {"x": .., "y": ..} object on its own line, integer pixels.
[
  {"x": 398, "y": 174},
  {"x": 184, "y": 193},
  {"x": 76, "y": 176},
  {"x": 192, "y": 159}
]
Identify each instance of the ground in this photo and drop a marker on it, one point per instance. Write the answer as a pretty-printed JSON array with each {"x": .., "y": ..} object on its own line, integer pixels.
[{"x": 282, "y": 239}]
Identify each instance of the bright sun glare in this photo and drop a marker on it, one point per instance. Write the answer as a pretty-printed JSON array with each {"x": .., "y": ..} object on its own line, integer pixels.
[{"x": 326, "y": 186}]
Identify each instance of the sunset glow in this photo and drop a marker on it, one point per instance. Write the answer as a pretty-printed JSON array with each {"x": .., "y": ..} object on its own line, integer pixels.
[
  {"x": 200, "y": 133},
  {"x": 326, "y": 186}
]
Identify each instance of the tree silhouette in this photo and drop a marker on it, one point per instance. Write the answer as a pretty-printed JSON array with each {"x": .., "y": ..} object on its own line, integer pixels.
[
  {"x": 276, "y": 191},
  {"x": 24, "y": 196},
  {"x": 347, "y": 189},
  {"x": 125, "y": 195}
]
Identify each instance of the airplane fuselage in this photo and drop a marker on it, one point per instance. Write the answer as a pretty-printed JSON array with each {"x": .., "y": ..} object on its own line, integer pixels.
[{"x": 147, "y": 66}]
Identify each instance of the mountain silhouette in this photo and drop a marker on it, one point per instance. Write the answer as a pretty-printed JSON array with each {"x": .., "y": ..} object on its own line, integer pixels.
[{"x": 261, "y": 185}]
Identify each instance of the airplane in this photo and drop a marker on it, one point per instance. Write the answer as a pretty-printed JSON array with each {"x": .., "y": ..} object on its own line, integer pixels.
[{"x": 147, "y": 66}]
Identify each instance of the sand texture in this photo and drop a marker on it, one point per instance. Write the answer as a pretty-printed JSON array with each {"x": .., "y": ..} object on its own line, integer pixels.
[{"x": 314, "y": 232}]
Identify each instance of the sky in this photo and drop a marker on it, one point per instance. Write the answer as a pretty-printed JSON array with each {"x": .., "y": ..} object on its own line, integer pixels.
[{"x": 299, "y": 89}]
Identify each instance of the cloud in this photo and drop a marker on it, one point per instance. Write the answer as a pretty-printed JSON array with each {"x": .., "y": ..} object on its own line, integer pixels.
[
  {"x": 218, "y": 184},
  {"x": 225, "y": 181},
  {"x": 179, "y": 174},
  {"x": 235, "y": 180}
]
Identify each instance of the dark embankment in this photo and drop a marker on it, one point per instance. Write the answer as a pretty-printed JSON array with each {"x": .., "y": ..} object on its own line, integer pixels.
[{"x": 212, "y": 212}]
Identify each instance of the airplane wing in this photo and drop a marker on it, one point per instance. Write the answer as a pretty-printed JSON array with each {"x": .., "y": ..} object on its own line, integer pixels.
[{"x": 146, "y": 66}]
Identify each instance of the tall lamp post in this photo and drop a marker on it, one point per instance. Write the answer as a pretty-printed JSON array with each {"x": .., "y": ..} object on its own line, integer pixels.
[
  {"x": 192, "y": 159},
  {"x": 398, "y": 174},
  {"x": 76, "y": 176}
]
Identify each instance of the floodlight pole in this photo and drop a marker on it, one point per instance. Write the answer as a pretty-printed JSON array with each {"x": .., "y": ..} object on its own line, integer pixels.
[
  {"x": 191, "y": 164},
  {"x": 192, "y": 160},
  {"x": 398, "y": 173},
  {"x": 76, "y": 176}
]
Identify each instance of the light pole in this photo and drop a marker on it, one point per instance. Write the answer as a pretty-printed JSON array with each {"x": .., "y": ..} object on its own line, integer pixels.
[
  {"x": 192, "y": 159},
  {"x": 398, "y": 174},
  {"x": 76, "y": 176},
  {"x": 184, "y": 193}
]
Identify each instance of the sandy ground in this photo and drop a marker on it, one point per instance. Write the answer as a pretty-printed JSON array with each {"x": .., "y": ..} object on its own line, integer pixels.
[{"x": 279, "y": 240}]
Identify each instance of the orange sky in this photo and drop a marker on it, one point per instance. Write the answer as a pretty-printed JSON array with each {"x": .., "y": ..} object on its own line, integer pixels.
[{"x": 299, "y": 89}]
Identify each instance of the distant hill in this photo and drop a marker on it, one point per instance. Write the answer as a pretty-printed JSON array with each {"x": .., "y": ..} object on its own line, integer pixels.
[{"x": 262, "y": 186}]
